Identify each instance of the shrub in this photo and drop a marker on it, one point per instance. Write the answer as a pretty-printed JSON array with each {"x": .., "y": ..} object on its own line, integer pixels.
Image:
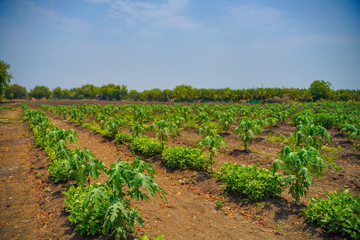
[
  {"x": 123, "y": 137},
  {"x": 186, "y": 158},
  {"x": 60, "y": 170},
  {"x": 340, "y": 212},
  {"x": 254, "y": 182},
  {"x": 325, "y": 120},
  {"x": 86, "y": 219},
  {"x": 192, "y": 125},
  {"x": 146, "y": 145}
]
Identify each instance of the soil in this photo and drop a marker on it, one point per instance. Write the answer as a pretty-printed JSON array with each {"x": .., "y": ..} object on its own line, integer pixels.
[{"x": 32, "y": 206}]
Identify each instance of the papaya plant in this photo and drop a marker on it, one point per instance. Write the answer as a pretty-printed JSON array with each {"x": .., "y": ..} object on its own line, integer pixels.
[
  {"x": 163, "y": 129},
  {"x": 213, "y": 144},
  {"x": 106, "y": 208},
  {"x": 247, "y": 129},
  {"x": 226, "y": 119},
  {"x": 312, "y": 135},
  {"x": 137, "y": 129},
  {"x": 299, "y": 165}
]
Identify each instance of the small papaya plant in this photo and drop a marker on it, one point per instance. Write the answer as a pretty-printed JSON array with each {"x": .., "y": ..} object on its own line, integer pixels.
[
  {"x": 247, "y": 129},
  {"x": 300, "y": 164}
]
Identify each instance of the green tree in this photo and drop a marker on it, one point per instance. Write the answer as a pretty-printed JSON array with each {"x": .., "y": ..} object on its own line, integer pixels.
[
  {"x": 320, "y": 89},
  {"x": 57, "y": 93},
  {"x": 4, "y": 75},
  {"x": 40, "y": 92},
  {"x": 15, "y": 91}
]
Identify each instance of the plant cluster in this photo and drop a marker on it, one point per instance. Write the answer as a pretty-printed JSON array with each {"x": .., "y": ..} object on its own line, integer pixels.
[
  {"x": 340, "y": 212},
  {"x": 256, "y": 183},
  {"x": 146, "y": 146},
  {"x": 186, "y": 158}
]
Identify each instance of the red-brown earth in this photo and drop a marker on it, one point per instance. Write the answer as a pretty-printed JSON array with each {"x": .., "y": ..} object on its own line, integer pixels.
[{"x": 32, "y": 206}]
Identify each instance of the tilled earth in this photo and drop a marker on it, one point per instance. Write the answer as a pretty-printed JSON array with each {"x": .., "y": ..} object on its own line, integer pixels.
[{"x": 32, "y": 206}]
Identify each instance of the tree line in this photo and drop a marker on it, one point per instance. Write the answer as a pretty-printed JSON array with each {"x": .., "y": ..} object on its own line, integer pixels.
[{"x": 319, "y": 89}]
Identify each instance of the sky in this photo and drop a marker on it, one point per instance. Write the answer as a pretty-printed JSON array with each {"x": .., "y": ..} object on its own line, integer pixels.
[{"x": 146, "y": 44}]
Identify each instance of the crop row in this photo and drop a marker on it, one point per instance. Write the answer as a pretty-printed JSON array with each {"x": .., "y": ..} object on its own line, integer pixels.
[
  {"x": 299, "y": 163},
  {"x": 95, "y": 208}
]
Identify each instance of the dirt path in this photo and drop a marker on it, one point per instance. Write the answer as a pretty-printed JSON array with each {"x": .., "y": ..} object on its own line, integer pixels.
[{"x": 29, "y": 203}]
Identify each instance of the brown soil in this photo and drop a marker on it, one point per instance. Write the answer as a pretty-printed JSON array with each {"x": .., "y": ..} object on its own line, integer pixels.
[{"x": 32, "y": 206}]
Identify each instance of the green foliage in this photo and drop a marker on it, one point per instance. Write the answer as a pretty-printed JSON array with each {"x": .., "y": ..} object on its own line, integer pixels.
[
  {"x": 299, "y": 165},
  {"x": 88, "y": 218},
  {"x": 146, "y": 145},
  {"x": 209, "y": 129},
  {"x": 353, "y": 132},
  {"x": 59, "y": 170},
  {"x": 40, "y": 92},
  {"x": 144, "y": 237},
  {"x": 256, "y": 183},
  {"x": 312, "y": 135},
  {"x": 113, "y": 92},
  {"x": 93, "y": 126},
  {"x": 7, "y": 108},
  {"x": 325, "y": 120},
  {"x": 163, "y": 129},
  {"x": 320, "y": 89},
  {"x": 137, "y": 129},
  {"x": 247, "y": 130},
  {"x": 123, "y": 137},
  {"x": 192, "y": 125},
  {"x": 5, "y": 76},
  {"x": 305, "y": 117},
  {"x": 280, "y": 138},
  {"x": 112, "y": 125},
  {"x": 340, "y": 212},
  {"x": 106, "y": 208},
  {"x": 225, "y": 120},
  {"x": 186, "y": 158},
  {"x": 213, "y": 144},
  {"x": 15, "y": 91}
]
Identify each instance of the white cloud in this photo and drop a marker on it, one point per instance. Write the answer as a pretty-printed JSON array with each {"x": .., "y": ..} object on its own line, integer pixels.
[
  {"x": 56, "y": 19},
  {"x": 250, "y": 16},
  {"x": 164, "y": 15}
]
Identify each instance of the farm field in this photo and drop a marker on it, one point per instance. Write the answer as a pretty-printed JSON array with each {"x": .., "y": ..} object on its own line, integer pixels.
[{"x": 198, "y": 206}]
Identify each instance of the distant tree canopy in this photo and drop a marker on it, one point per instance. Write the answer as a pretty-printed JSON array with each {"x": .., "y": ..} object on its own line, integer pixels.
[
  {"x": 113, "y": 92},
  {"x": 320, "y": 89},
  {"x": 15, "y": 91},
  {"x": 40, "y": 92},
  {"x": 5, "y": 76}
]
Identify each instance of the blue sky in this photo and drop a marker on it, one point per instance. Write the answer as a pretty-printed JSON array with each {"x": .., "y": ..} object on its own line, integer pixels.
[{"x": 147, "y": 44}]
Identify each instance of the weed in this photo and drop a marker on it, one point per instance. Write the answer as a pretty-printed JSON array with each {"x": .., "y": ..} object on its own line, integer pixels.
[{"x": 278, "y": 226}]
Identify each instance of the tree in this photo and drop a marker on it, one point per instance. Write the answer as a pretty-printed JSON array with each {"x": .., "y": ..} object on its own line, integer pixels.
[
  {"x": 320, "y": 89},
  {"x": 15, "y": 91},
  {"x": 114, "y": 92},
  {"x": 57, "y": 93},
  {"x": 40, "y": 92},
  {"x": 4, "y": 75}
]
